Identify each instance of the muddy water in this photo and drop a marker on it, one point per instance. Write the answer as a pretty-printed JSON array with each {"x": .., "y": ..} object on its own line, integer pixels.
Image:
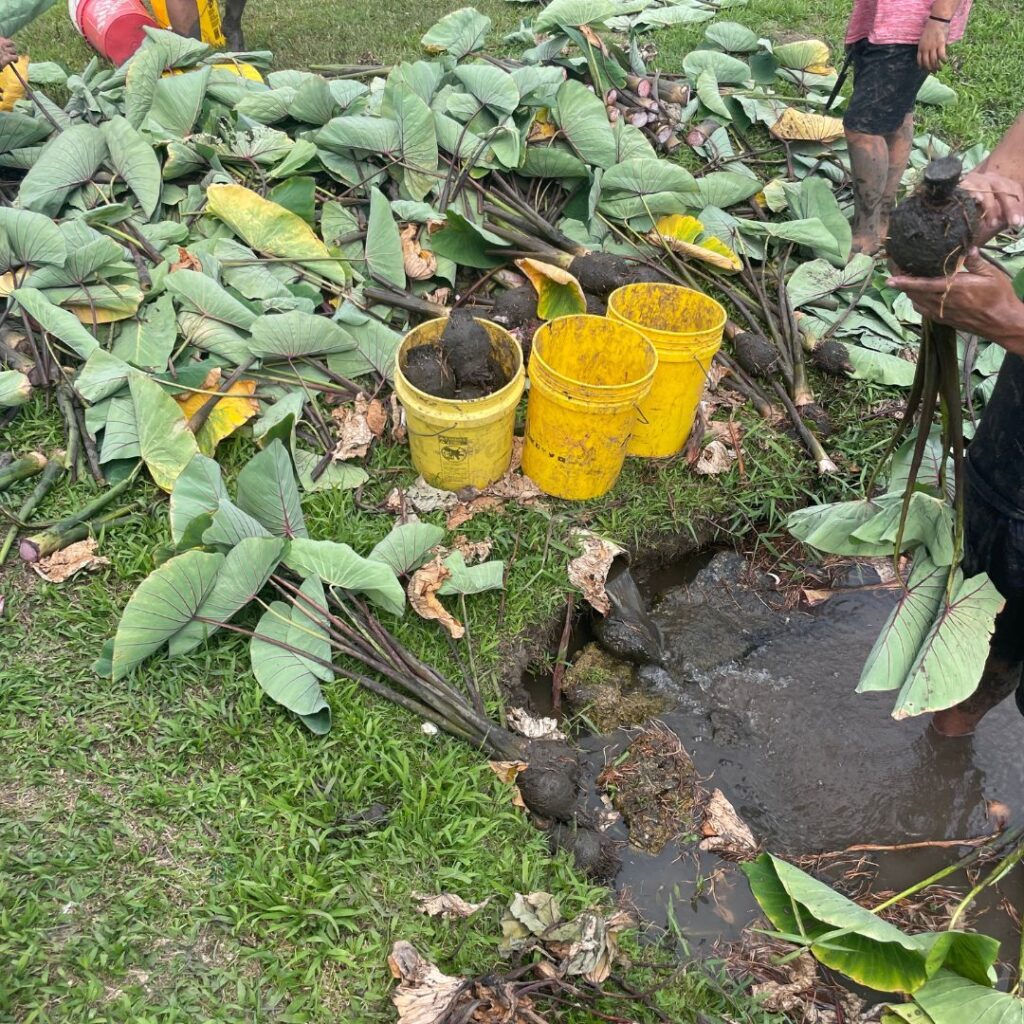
[{"x": 767, "y": 709}]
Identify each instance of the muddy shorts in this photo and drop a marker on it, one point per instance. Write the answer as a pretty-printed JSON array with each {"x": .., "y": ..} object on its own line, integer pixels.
[{"x": 886, "y": 81}]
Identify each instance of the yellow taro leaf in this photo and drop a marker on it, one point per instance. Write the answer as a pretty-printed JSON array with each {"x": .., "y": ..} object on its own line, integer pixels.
[
  {"x": 821, "y": 69},
  {"x": 11, "y": 90},
  {"x": 803, "y": 55},
  {"x": 558, "y": 292},
  {"x": 798, "y": 125},
  {"x": 685, "y": 235},
  {"x": 542, "y": 128},
  {"x": 269, "y": 228},
  {"x": 231, "y": 412}
]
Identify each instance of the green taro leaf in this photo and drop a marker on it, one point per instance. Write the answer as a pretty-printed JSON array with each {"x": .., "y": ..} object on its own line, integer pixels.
[
  {"x": 17, "y": 131},
  {"x": 268, "y": 491},
  {"x": 375, "y": 351},
  {"x": 339, "y": 566},
  {"x": 573, "y": 14},
  {"x": 135, "y": 162},
  {"x": 929, "y": 522},
  {"x": 406, "y": 547},
  {"x": 815, "y": 199},
  {"x": 313, "y": 102},
  {"x": 378, "y": 135},
  {"x": 141, "y": 77},
  {"x": 417, "y": 136},
  {"x": 723, "y": 189},
  {"x": 164, "y": 602},
  {"x": 66, "y": 162},
  {"x": 147, "y": 341},
  {"x": 295, "y": 335},
  {"x": 242, "y": 576},
  {"x": 472, "y": 579},
  {"x": 490, "y": 86},
  {"x": 936, "y": 93},
  {"x": 15, "y": 389},
  {"x": 466, "y": 243},
  {"x": 817, "y": 279},
  {"x": 178, "y": 101},
  {"x": 584, "y": 121},
  {"x": 951, "y": 999},
  {"x": 727, "y": 69},
  {"x": 28, "y": 238},
  {"x": 732, "y": 37},
  {"x": 229, "y": 526},
  {"x": 120, "y": 432},
  {"x": 952, "y": 657},
  {"x": 277, "y": 650},
  {"x": 646, "y": 187},
  {"x": 899, "y": 642},
  {"x": 880, "y": 367},
  {"x": 102, "y": 376},
  {"x": 59, "y": 322},
  {"x": 165, "y": 442},
  {"x": 708, "y": 93},
  {"x": 830, "y": 528},
  {"x": 202, "y": 295},
  {"x": 338, "y": 476},
  {"x": 384, "y": 260},
  {"x": 459, "y": 33},
  {"x": 198, "y": 491}
]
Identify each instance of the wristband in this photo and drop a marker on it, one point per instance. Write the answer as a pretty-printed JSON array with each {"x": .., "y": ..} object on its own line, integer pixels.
[{"x": 945, "y": 21}]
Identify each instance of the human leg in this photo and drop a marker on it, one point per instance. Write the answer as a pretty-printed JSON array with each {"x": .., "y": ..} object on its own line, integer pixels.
[
  {"x": 869, "y": 166},
  {"x": 184, "y": 17},
  {"x": 232, "y": 24},
  {"x": 899, "y": 144},
  {"x": 1001, "y": 678}
]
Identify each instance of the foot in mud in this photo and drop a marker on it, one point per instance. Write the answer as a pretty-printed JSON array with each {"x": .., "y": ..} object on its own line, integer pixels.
[
  {"x": 1001, "y": 678},
  {"x": 953, "y": 723}
]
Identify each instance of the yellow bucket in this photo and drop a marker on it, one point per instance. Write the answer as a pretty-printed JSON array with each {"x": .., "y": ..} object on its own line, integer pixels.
[
  {"x": 456, "y": 443},
  {"x": 685, "y": 326},
  {"x": 209, "y": 20},
  {"x": 588, "y": 375}
]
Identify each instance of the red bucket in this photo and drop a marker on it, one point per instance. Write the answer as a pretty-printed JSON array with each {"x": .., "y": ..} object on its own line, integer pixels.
[{"x": 114, "y": 28}]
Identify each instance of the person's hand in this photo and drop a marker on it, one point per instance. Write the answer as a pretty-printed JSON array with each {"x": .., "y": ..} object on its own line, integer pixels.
[
  {"x": 8, "y": 52},
  {"x": 931, "y": 51},
  {"x": 1000, "y": 199},
  {"x": 980, "y": 300}
]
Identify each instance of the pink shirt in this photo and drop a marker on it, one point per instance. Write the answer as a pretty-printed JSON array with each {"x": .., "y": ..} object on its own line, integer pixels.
[{"x": 898, "y": 21}]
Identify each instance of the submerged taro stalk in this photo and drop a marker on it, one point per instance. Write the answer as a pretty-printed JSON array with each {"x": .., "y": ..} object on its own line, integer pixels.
[{"x": 929, "y": 236}]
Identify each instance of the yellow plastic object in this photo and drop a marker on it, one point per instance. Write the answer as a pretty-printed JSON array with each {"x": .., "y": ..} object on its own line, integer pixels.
[
  {"x": 588, "y": 376},
  {"x": 455, "y": 443},
  {"x": 235, "y": 67},
  {"x": 11, "y": 88},
  {"x": 209, "y": 20},
  {"x": 685, "y": 326}
]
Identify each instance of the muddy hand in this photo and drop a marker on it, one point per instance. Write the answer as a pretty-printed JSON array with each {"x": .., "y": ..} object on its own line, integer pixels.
[
  {"x": 980, "y": 299},
  {"x": 8, "y": 52},
  {"x": 931, "y": 51},
  {"x": 1000, "y": 199}
]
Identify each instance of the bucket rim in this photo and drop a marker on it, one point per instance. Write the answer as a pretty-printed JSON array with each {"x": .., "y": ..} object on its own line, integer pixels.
[
  {"x": 661, "y": 331},
  {"x": 600, "y": 388},
  {"x": 517, "y": 376}
]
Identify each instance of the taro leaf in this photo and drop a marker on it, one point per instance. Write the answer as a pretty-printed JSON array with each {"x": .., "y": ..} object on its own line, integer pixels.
[
  {"x": 732, "y": 37},
  {"x": 338, "y": 476},
  {"x": 227, "y": 415},
  {"x": 929, "y": 522},
  {"x": 280, "y": 419},
  {"x": 708, "y": 93},
  {"x": 198, "y": 491},
  {"x": 584, "y": 121},
  {"x": 243, "y": 575},
  {"x": 727, "y": 69},
  {"x": 643, "y": 187},
  {"x": 879, "y": 367},
  {"x": 472, "y": 579},
  {"x": 141, "y": 77},
  {"x": 17, "y": 131},
  {"x": 573, "y": 14},
  {"x": 230, "y": 526},
  {"x": 313, "y": 102},
  {"x": 375, "y": 351},
  {"x": 552, "y": 162},
  {"x": 286, "y": 676},
  {"x": 459, "y": 33},
  {"x": 816, "y": 199},
  {"x": 930, "y": 472},
  {"x": 269, "y": 228},
  {"x": 490, "y": 86},
  {"x": 164, "y": 602},
  {"x": 936, "y": 93},
  {"x": 951, "y": 999},
  {"x": 407, "y": 546},
  {"x": 869, "y": 950},
  {"x": 267, "y": 491},
  {"x": 207, "y": 298},
  {"x": 817, "y": 279},
  {"x": 294, "y": 335},
  {"x": 66, "y": 162},
  {"x": 377, "y": 135},
  {"x": 298, "y": 159},
  {"x": 211, "y": 336},
  {"x": 726, "y": 188},
  {"x": 465, "y": 243},
  {"x": 15, "y": 389},
  {"x": 952, "y": 657},
  {"x": 810, "y": 232},
  {"x": 339, "y": 566},
  {"x": 178, "y": 100},
  {"x": 120, "y": 432},
  {"x": 384, "y": 260},
  {"x": 803, "y": 55},
  {"x": 178, "y": 51},
  {"x": 148, "y": 340},
  {"x": 165, "y": 442},
  {"x": 417, "y": 135},
  {"x": 896, "y": 648},
  {"x": 102, "y": 376},
  {"x": 29, "y": 238},
  {"x": 308, "y": 612},
  {"x": 830, "y": 528},
  {"x": 538, "y": 87},
  {"x": 686, "y": 235},
  {"x": 298, "y": 195},
  {"x": 558, "y": 292},
  {"x": 59, "y": 322},
  {"x": 135, "y": 162}
]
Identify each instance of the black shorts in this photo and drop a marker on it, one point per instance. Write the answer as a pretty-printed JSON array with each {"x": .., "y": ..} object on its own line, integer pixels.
[{"x": 886, "y": 81}]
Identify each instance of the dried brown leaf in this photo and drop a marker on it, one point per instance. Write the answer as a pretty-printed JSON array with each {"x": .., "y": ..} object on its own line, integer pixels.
[
  {"x": 472, "y": 550},
  {"x": 75, "y": 558},
  {"x": 423, "y": 588},
  {"x": 186, "y": 261},
  {"x": 420, "y": 263},
  {"x": 715, "y": 458},
  {"x": 354, "y": 433},
  {"x": 376, "y": 415},
  {"x": 589, "y": 570},
  {"x": 399, "y": 431},
  {"x": 724, "y": 830},
  {"x": 425, "y": 994},
  {"x": 507, "y": 770},
  {"x": 447, "y": 905},
  {"x": 465, "y": 510}
]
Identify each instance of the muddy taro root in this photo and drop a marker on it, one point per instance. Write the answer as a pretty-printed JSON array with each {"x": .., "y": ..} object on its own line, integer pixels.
[
  {"x": 550, "y": 785},
  {"x": 832, "y": 357},
  {"x": 515, "y": 307},
  {"x": 467, "y": 347},
  {"x": 932, "y": 229},
  {"x": 755, "y": 354},
  {"x": 427, "y": 369},
  {"x": 594, "y": 853}
]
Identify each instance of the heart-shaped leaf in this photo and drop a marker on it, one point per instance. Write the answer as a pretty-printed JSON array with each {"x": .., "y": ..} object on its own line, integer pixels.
[
  {"x": 406, "y": 547},
  {"x": 268, "y": 491},
  {"x": 558, "y": 292},
  {"x": 338, "y": 565},
  {"x": 165, "y": 442}
]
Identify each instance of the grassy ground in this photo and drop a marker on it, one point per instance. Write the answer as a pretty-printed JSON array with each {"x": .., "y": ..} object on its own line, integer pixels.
[{"x": 173, "y": 848}]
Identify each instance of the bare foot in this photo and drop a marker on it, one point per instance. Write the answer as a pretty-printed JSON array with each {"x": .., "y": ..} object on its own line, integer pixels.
[{"x": 955, "y": 722}]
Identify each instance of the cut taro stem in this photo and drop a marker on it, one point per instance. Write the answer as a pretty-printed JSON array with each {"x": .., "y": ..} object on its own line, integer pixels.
[
  {"x": 54, "y": 468},
  {"x": 811, "y": 442},
  {"x": 944, "y": 340},
  {"x": 20, "y": 469}
]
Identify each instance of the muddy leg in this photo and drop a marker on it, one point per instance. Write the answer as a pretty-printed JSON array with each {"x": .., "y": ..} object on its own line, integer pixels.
[
  {"x": 184, "y": 17},
  {"x": 899, "y": 145},
  {"x": 232, "y": 25},
  {"x": 1001, "y": 678},
  {"x": 869, "y": 161}
]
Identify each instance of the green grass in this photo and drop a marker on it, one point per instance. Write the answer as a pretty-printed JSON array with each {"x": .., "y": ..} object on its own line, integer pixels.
[{"x": 173, "y": 847}]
